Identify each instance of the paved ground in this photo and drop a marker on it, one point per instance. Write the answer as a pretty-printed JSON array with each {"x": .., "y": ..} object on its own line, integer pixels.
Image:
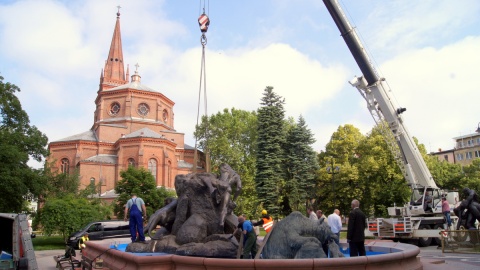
[{"x": 431, "y": 257}]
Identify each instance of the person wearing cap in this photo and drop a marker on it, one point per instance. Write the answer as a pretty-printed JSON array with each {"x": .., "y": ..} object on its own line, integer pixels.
[
  {"x": 446, "y": 211},
  {"x": 266, "y": 221}
]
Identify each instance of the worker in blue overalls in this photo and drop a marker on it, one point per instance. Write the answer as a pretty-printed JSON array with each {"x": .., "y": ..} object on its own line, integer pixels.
[{"x": 136, "y": 208}]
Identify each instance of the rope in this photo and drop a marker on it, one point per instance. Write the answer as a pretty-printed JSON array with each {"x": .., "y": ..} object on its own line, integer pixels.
[{"x": 203, "y": 22}]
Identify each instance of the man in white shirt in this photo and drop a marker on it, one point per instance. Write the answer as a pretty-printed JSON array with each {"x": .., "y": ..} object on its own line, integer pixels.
[{"x": 335, "y": 223}]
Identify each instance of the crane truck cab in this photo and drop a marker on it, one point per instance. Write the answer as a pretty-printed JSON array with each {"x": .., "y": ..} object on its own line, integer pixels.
[
  {"x": 15, "y": 243},
  {"x": 425, "y": 201}
]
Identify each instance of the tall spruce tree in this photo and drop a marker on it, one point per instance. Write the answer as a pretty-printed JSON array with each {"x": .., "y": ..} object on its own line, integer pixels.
[
  {"x": 301, "y": 166},
  {"x": 271, "y": 138}
]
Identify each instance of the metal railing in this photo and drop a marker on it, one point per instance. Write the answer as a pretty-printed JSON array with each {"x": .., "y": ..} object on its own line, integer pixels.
[{"x": 460, "y": 241}]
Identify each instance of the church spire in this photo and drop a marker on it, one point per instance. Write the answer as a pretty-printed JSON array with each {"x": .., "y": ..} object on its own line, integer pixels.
[{"x": 114, "y": 73}]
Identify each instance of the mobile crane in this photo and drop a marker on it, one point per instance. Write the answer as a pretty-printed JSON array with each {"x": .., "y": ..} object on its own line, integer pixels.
[{"x": 421, "y": 218}]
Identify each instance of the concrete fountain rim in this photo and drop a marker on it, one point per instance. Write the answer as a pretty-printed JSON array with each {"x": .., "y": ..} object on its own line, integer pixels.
[{"x": 398, "y": 256}]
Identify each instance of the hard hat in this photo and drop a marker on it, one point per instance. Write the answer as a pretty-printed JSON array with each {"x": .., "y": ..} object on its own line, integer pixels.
[{"x": 264, "y": 212}]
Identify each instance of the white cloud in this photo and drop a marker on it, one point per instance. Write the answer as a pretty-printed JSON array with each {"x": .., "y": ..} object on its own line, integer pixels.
[
  {"x": 56, "y": 49},
  {"x": 398, "y": 26},
  {"x": 439, "y": 89}
]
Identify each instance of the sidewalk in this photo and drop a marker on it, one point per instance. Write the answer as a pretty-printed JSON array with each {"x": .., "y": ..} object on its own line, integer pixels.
[
  {"x": 45, "y": 258},
  {"x": 433, "y": 259}
]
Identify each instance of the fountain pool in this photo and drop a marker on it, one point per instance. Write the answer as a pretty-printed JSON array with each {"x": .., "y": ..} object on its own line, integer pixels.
[{"x": 395, "y": 256}]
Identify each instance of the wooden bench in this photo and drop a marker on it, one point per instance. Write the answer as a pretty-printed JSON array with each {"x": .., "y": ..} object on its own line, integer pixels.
[{"x": 67, "y": 260}]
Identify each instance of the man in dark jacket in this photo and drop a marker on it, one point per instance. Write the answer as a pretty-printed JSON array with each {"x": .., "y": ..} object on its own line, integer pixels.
[{"x": 356, "y": 230}]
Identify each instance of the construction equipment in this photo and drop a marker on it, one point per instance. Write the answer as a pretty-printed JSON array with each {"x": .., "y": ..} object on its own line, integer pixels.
[
  {"x": 16, "y": 243},
  {"x": 421, "y": 218}
]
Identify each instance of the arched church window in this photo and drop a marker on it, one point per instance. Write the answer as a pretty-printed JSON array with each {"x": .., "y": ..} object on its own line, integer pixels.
[
  {"x": 165, "y": 116},
  {"x": 64, "y": 165},
  {"x": 152, "y": 167},
  {"x": 143, "y": 109},
  {"x": 131, "y": 162},
  {"x": 114, "y": 108}
]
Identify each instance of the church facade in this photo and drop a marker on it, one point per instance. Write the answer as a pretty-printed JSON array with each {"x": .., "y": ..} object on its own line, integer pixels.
[{"x": 133, "y": 126}]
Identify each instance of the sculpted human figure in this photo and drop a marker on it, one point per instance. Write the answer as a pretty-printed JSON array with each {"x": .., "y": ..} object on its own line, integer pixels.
[
  {"x": 200, "y": 215},
  {"x": 232, "y": 179}
]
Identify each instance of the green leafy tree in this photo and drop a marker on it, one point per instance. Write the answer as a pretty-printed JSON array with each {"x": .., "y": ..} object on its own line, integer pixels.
[
  {"x": 381, "y": 180},
  {"x": 446, "y": 175},
  {"x": 270, "y": 178},
  {"x": 67, "y": 214},
  {"x": 471, "y": 176},
  {"x": 66, "y": 208},
  {"x": 139, "y": 181},
  {"x": 19, "y": 141},
  {"x": 339, "y": 180},
  {"x": 301, "y": 166},
  {"x": 232, "y": 139},
  {"x": 366, "y": 171},
  {"x": 57, "y": 185}
]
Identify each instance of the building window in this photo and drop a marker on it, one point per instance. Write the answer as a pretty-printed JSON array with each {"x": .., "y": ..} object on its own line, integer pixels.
[
  {"x": 468, "y": 155},
  {"x": 114, "y": 108},
  {"x": 165, "y": 116},
  {"x": 131, "y": 162},
  {"x": 92, "y": 181},
  {"x": 470, "y": 142},
  {"x": 64, "y": 165},
  {"x": 460, "y": 156},
  {"x": 152, "y": 167},
  {"x": 143, "y": 109},
  {"x": 478, "y": 141},
  {"x": 477, "y": 153},
  {"x": 445, "y": 157}
]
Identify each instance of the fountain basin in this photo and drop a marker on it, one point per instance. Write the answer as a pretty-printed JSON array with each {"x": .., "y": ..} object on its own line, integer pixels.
[{"x": 397, "y": 256}]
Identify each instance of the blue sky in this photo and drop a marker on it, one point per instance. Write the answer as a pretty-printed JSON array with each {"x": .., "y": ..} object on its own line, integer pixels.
[{"x": 427, "y": 50}]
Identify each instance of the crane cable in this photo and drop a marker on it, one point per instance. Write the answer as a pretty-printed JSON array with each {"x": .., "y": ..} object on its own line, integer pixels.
[{"x": 203, "y": 22}]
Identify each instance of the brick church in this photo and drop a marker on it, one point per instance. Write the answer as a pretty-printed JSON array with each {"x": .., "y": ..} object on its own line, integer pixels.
[{"x": 133, "y": 126}]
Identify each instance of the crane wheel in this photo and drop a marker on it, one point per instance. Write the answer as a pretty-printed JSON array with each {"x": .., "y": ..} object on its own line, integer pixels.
[
  {"x": 437, "y": 240},
  {"x": 460, "y": 236},
  {"x": 424, "y": 241}
]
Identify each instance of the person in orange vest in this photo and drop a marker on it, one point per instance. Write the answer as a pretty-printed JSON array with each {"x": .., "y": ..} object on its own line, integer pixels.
[
  {"x": 266, "y": 221},
  {"x": 82, "y": 241}
]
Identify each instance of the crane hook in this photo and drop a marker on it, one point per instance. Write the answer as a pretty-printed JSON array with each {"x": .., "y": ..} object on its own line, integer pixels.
[{"x": 203, "y": 22}]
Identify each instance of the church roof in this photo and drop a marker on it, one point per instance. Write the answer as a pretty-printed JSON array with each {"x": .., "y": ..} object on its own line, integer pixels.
[
  {"x": 188, "y": 147},
  {"x": 85, "y": 136},
  {"x": 102, "y": 158},
  {"x": 145, "y": 132},
  {"x": 133, "y": 85}
]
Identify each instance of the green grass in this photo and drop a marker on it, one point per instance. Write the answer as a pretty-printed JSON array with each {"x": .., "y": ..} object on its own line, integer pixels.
[{"x": 48, "y": 243}]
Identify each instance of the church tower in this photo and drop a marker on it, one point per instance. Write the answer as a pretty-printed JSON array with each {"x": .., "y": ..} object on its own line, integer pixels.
[
  {"x": 133, "y": 125},
  {"x": 113, "y": 73}
]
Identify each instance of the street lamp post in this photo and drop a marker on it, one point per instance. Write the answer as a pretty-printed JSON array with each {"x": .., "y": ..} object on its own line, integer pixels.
[{"x": 333, "y": 170}]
